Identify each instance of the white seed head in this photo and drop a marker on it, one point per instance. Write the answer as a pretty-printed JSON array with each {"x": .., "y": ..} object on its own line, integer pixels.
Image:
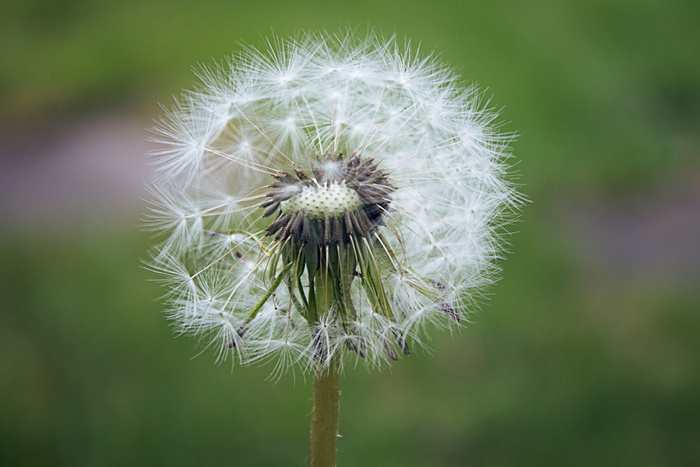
[
  {"x": 330, "y": 196},
  {"x": 319, "y": 202}
]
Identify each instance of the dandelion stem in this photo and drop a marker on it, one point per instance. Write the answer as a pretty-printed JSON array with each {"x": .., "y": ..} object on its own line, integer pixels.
[{"x": 324, "y": 416}]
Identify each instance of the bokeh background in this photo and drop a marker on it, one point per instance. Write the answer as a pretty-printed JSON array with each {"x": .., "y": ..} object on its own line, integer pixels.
[{"x": 587, "y": 352}]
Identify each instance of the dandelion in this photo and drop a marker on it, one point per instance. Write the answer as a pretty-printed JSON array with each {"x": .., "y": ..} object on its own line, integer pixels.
[{"x": 327, "y": 201}]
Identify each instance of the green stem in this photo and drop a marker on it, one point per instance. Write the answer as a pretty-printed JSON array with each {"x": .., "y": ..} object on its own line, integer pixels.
[
  {"x": 256, "y": 308},
  {"x": 324, "y": 416}
]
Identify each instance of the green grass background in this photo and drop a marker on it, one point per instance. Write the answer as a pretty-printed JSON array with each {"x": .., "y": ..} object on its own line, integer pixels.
[{"x": 575, "y": 360}]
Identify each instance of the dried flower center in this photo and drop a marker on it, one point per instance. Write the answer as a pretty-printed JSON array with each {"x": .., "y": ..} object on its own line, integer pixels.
[
  {"x": 319, "y": 202},
  {"x": 340, "y": 199}
]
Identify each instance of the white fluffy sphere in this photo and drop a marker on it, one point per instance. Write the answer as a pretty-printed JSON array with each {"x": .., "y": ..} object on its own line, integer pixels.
[{"x": 327, "y": 198}]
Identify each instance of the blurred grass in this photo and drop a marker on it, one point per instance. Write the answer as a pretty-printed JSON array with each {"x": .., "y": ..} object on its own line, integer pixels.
[
  {"x": 567, "y": 365},
  {"x": 613, "y": 81},
  {"x": 552, "y": 374}
]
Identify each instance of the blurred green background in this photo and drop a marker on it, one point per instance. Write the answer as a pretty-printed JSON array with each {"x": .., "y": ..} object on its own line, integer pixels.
[{"x": 587, "y": 353}]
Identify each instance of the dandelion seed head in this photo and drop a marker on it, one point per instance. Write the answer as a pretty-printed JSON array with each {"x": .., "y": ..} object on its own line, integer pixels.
[{"x": 327, "y": 197}]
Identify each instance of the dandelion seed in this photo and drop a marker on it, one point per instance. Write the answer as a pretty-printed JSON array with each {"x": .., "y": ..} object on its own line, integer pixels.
[{"x": 326, "y": 200}]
